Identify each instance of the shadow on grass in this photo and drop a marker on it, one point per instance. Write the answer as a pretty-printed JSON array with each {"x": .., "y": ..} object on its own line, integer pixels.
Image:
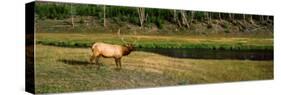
[
  {"x": 75, "y": 62},
  {"x": 85, "y": 63}
]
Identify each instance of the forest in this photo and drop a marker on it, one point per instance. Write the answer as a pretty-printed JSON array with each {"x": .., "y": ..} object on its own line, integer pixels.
[{"x": 110, "y": 17}]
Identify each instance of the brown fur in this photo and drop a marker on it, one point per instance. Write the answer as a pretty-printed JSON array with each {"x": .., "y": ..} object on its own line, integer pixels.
[{"x": 110, "y": 51}]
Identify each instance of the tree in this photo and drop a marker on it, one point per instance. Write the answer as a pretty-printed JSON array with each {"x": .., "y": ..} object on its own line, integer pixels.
[
  {"x": 244, "y": 17},
  {"x": 104, "y": 16},
  {"x": 207, "y": 17},
  {"x": 175, "y": 18},
  {"x": 261, "y": 19},
  {"x": 251, "y": 19},
  {"x": 141, "y": 13},
  {"x": 175, "y": 15},
  {"x": 184, "y": 19},
  {"x": 192, "y": 16},
  {"x": 210, "y": 17},
  {"x": 72, "y": 15},
  {"x": 219, "y": 15},
  {"x": 230, "y": 15}
]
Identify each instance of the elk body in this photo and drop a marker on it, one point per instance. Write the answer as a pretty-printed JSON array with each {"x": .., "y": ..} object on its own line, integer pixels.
[{"x": 105, "y": 50}]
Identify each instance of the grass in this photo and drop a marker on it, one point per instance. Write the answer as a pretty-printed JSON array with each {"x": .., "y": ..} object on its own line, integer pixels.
[
  {"x": 214, "y": 42},
  {"x": 60, "y": 69}
]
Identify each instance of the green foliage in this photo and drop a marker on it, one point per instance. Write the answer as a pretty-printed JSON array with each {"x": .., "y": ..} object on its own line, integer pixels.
[
  {"x": 159, "y": 23},
  {"x": 52, "y": 11},
  {"x": 199, "y": 15}
]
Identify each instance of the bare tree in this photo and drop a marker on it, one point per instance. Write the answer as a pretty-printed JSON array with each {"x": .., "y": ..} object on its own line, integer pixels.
[
  {"x": 104, "y": 16},
  {"x": 268, "y": 19},
  {"x": 176, "y": 20},
  {"x": 244, "y": 17},
  {"x": 230, "y": 15},
  {"x": 175, "y": 15},
  {"x": 72, "y": 15},
  {"x": 261, "y": 18},
  {"x": 208, "y": 17},
  {"x": 88, "y": 18},
  {"x": 251, "y": 19},
  {"x": 141, "y": 13},
  {"x": 184, "y": 19},
  {"x": 219, "y": 15},
  {"x": 192, "y": 16}
]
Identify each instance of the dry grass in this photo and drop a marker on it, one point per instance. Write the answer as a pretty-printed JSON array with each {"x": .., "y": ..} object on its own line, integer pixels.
[
  {"x": 162, "y": 41},
  {"x": 67, "y": 69},
  {"x": 171, "y": 38}
]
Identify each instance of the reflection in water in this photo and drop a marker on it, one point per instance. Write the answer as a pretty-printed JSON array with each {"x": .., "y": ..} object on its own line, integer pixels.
[{"x": 212, "y": 54}]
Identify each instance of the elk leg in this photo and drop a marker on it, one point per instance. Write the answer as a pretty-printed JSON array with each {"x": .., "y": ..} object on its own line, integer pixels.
[
  {"x": 119, "y": 61},
  {"x": 92, "y": 58},
  {"x": 97, "y": 61},
  {"x": 116, "y": 62}
]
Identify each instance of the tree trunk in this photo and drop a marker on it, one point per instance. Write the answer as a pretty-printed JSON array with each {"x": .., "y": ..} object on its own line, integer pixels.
[
  {"x": 206, "y": 16},
  {"x": 141, "y": 13},
  {"x": 251, "y": 19},
  {"x": 104, "y": 16},
  {"x": 244, "y": 17},
  {"x": 88, "y": 18},
  {"x": 210, "y": 17},
  {"x": 192, "y": 16},
  {"x": 184, "y": 19},
  {"x": 176, "y": 18},
  {"x": 175, "y": 15},
  {"x": 261, "y": 19},
  {"x": 219, "y": 16},
  {"x": 230, "y": 16},
  {"x": 72, "y": 17},
  {"x": 268, "y": 18}
]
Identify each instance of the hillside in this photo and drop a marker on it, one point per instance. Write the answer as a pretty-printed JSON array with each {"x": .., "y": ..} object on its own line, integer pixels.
[{"x": 63, "y": 17}]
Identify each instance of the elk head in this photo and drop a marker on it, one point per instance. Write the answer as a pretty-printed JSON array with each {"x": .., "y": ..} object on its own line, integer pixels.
[{"x": 129, "y": 45}]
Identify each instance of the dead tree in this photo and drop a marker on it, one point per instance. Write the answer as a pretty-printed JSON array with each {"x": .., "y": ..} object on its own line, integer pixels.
[
  {"x": 104, "y": 16},
  {"x": 141, "y": 13},
  {"x": 210, "y": 17},
  {"x": 207, "y": 17},
  {"x": 244, "y": 17},
  {"x": 251, "y": 19},
  {"x": 261, "y": 18},
  {"x": 88, "y": 18},
  {"x": 72, "y": 17},
  {"x": 192, "y": 16},
  {"x": 219, "y": 15},
  {"x": 230, "y": 15},
  {"x": 175, "y": 15},
  {"x": 184, "y": 19},
  {"x": 176, "y": 20}
]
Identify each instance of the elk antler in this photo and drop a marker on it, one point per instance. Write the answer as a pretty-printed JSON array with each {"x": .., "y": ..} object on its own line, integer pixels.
[
  {"x": 134, "y": 43},
  {"x": 122, "y": 38}
]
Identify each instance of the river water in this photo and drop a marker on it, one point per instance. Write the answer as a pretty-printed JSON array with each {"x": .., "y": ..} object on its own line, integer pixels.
[{"x": 212, "y": 54}]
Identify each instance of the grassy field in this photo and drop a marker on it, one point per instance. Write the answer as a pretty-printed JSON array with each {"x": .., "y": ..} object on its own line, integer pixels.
[
  {"x": 61, "y": 69},
  {"x": 225, "y": 42}
]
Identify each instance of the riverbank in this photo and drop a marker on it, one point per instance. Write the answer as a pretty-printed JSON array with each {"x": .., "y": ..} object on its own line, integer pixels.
[
  {"x": 215, "y": 42},
  {"x": 60, "y": 69}
]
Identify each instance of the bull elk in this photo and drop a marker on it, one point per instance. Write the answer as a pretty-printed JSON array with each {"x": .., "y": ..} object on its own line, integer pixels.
[{"x": 105, "y": 50}]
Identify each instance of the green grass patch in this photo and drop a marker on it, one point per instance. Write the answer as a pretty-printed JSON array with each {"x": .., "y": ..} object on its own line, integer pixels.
[{"x": 85, "y": 40}]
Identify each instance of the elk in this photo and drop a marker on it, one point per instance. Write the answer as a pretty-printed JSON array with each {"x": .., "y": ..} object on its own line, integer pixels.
[{"x": 105, "y": 50}]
